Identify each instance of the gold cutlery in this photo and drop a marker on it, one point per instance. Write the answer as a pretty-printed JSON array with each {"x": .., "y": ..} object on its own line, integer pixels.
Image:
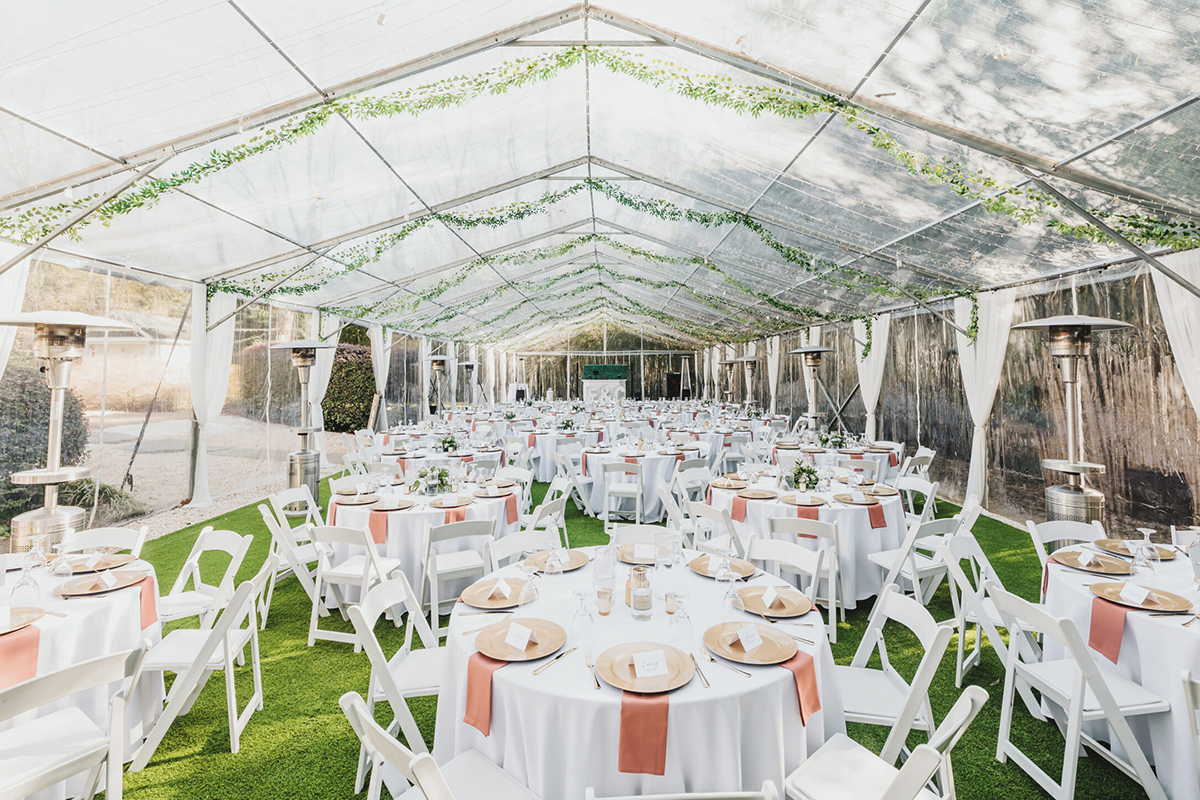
[
  {"x": 700, "y": 672},
  {"x": 725, "y": 664},
  {"x": 591, "y": 665},
  {"x": 553, "y": 661}
]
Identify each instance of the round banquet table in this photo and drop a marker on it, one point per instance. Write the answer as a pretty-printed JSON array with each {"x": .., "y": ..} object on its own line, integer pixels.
[
  {"x": 860, "y": 578},
  {"x": 547, "y": 444},
  {"x": 558, "y": 735},
  {"x": 829, "y": 458},
  {"x": 93, "y": 627},
  {"x": 655, "y": 467},
  {"x": 415, "y": 460},
  {"x": 1154, "y": 651},
  {"x": 403, "y": 534}
]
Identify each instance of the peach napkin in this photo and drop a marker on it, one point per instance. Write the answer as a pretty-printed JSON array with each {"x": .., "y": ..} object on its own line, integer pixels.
[
  {"x": 1107, "y": 628},
  {"x": 511, "y": 503},
  {"x": 378, "y": 525},
  {"x": 455, "y": 514},
  {"x": 19, "y": 656},
  {"x": 739, "y": 509},
  {"x": 875, "y": 512},
  {"x": 643, "y": 738},
  {"x": 479, "y": 692},
  {"x": 806, "y": 512},
  {"x": 805, "y": 672}
]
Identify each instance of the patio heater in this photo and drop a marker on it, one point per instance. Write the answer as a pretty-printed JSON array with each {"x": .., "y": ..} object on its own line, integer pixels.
[
  {"x": 812, "y": 360},
  {"x": 58, "y": 339},
  {"x": 1071, "y": 341},
  {"x": 438, "y": 373},
  {"x": 521, "y": 387},
  {"x": 751, "y": 364},
  {"x": 685, "y": 379},
  {"x": 470, "y": 366},
  {"x": 304, "y": 464},
  {"x": 728, "y": 365}
]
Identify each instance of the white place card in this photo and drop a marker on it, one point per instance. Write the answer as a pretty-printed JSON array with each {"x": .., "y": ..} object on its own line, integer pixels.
[
  {"x": 1132, "y": 593},
  {"x": 750, "y": 638},
  {"x": 769, "y": 597},
  {"x": 501, "y": 589},
  {"x": 1123, "y": 546},
  {"x": 714, "y": 565},
  {"x": 362, "y": 488},
  {"x": 107, "y": 579},
  {"x": 804, "y": 498},
  {"x": 1086, "y": 557},
  {"x": 92, "y": 560},
  {"x": 493, "y": 491},
  {"x": 650, "y": 665},
  {"x": 857, "y": 496},
  {"x": 519, "y": 636},
  {"x": 644, "y": 552}
]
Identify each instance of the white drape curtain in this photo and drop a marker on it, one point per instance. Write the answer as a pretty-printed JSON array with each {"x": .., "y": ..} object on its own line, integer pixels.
[
  {"x": 12, "y": 295},
  {"x": 212, "y": 359},
  {"x": 490, "y": 364},
  {"x": 870, "y": 369},
  {"x": 318, "y": 382},
  {"x": 1181, "y": 317},
  {"x": 473, "y": 390},
  {"x": 751, "y": 350},
  {"x": 982, "y": 364},
  {"x": 424, "y": 368},
  {"x": 810, "y": 338},
  {"x": 451, "y": 396},
  {"x": 381, "y": 360},
  {"x": 773, "y": 345}
]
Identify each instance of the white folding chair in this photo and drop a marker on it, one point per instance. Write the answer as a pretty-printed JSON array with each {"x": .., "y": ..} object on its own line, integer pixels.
[
  {"x": 550, "y": 515},
  {"x": 448, "y": 566},
  {"x": 107, "y": 538},
  {"x": 466, "y": 776},
  {"x": 580, "y": 484},
  {"x": 485, "y": 465},
  {"x": 676, "y": 520},
  {"x": 307, "y": 511},
  {"x": 498, "y": 551},
  {"x": 1077, "y": 691},
  {"x": 924, "y": 573},
  {"x": 842, "y": 769},
  {"x": 385, "y": 468},
  {"x": 910, "y": 486},
  {"x": 194, "y": 654},
  {"x": 733, "y": 454},
  {"x": 1184, "y": 537},
  {"x": 966, "y": 521},
  {"x": 636, "y": 534},
  {"x": 621, "y": 490},
  {"x": 203, "y": 599},
  {"x": 789, "y": 558},
  {"x": 524, "y": 479},
  {"x": 691, "y": 479},
  {"x": 830, "y": 567},
  {"x": 407, "y": 673},
  {"x": 36, "y": 754},
  {"x": 866, "y": 466},
  {"x": 767, "y": 792},
  {"x": 362, "y": 568},
  {"x": 882, "y": 696},
  {"x": 720, "y": 536},
  {"x": 293, "y": 559},
  {"x": 1063, "y": 530},
  {"x": 1191, "y": 693}
]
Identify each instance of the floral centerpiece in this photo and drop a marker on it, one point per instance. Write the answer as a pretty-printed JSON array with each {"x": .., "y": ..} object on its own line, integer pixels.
[
  {"x": 448, "y": 444},
  {"x": 510, "y": 414},
  {"x": 804, "y": 476},
  {"x": 566, "y": 424},
  {"x": 834, "y": 441},
  {"x": 754, "y": 412},
  {"x": 432, "y": 480},
  {"x": 577, "y": 406}
]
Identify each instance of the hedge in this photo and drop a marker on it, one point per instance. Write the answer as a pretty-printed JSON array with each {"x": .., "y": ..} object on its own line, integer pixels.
[{"x": 347, "y": 403}]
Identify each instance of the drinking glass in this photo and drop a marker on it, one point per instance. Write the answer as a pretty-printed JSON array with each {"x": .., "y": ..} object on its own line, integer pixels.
[
  {"x": 583, "y": 626},
  {"x": 36, "y": 557},
  {"x": 679, "y": 629},
  {"x": 530, "y": 569},
  {"x": 62, "y": 563},
  {"x": 664, "y": 565},
  {"x": 25, "y": 592},
  {"x": 1144, "y": 565}
]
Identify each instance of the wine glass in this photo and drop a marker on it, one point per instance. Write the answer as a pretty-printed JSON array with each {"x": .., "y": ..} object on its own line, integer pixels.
[
  {"x": 583, "y": 625},
  {"x": 528, "y": 567},
  {"x": 36, "y": 557},
  {"x": 679, "y": 629},
  {"x": 1144, "y": 565},
  {"x": 62, "y": 562},
  {"x": 25, "y": 592}
]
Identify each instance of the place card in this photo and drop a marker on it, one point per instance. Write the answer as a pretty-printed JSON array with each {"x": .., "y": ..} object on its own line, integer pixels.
[
  {"x": 714, "y": 565},
  {"x": 362, "y": 488},
  {"x": 92, "y": 560},
  {"x": 493, "y": 491},
  {"x": 858, "y": 497},
  {"x": 519, "y": 636},
  {"x": 750, "y": 638},
  {"x": 501, "y": 589},
  {"x": 107, "y": 579},
  {"x": 650, "y": 665},
  {"x": 1132, "y": 593},
  {"x": 644, "y": 552},
  {"x": 804, "y": 498},
  {"x": 769, "y": 597},
  {"x": 1085, "y": 557}
]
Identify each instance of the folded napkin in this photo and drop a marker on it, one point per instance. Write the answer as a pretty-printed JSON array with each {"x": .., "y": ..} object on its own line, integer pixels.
[
  {"x": 875, "y": 512},
  {"x": 149, "y": 601},
  {"x": 601, "y": 439},
  {"x": 631, "y": 459},
  {"x": 19, "y": 656},
  {"x": 893, "y": 459},
  {"x": 332, "y": 515},
  {"x": 805, "y": 672},
  {"x": 467, "y": 459},
  {"x": 533, "y": 440},
  {"x": 1046, "y": 573},
  {"x": 479, "y": 692},
  {"x": 387, "y": 439},
  {"x": 856, "y": 456},
  {"x": 583, "y": 463},
  {"x": 403, "y": 462},
  {"x": 806, "y": 512},
  {"x": 455, "y": 514},
  {"x": 739, "y": 508},
  {"x": 511, "y": 503},
  {"x": 643, "y": 739},
  {"x": 378, "y": 525},
  {"x": 1107, "y": 628},
  {"x": 708, "y": 497}
]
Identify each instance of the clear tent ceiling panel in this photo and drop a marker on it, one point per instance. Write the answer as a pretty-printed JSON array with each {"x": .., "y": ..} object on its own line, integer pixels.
[{"x": 30, "y": 154}]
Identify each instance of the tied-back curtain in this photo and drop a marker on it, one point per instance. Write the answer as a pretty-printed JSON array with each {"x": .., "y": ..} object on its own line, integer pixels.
[
  {"x": 773, "y": 369},
  {"x": 381, "y": 360},
  {"x": 982, "y": 364},
  {"x": 1181, "y": 317},
  {"x": 424, "y": 368},
  {"x": 12, "y": 295},
  {"x": 751, "y": 351},
  {"x": 490, "y": 363},
  {"x": 212, "y": 360},
  {"x": 318, "y": 382},
  {"x": 451, "y": 378},
  {"x": 810, "y": 338},
  {"x": 870, "y": 369}
]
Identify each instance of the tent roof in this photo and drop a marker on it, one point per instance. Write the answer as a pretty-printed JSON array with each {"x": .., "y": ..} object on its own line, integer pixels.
[{"x": 499, "y": 172}]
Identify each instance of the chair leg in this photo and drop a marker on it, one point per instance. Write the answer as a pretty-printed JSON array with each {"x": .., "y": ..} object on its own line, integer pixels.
[
  {"x": 312, "y": 620},
  {"x": 231, "y": 702},
  {"x": 265, "y": 607}
]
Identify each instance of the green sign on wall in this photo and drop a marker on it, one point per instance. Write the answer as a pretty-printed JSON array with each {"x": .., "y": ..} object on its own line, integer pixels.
[{"x": 606, "y": 372}]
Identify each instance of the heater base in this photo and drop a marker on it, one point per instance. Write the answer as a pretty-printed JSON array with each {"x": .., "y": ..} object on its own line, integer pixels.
[
  {"x": 304, "y": 469},
  {"x": 52, "y": 523}
]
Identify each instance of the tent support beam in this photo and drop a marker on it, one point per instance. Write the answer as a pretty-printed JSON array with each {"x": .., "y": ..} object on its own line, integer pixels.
[
  {"x": 269, "y": 289},
  {"x": 926, "y": 306},
  {"x": 1116, "y": 237},
  {"x": 83, "y": 214}
]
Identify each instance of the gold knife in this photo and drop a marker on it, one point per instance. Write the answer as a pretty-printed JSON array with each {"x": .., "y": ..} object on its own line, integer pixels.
[
  {"x": 699, "y": 671},
  {"x": 553, "y": 661}
]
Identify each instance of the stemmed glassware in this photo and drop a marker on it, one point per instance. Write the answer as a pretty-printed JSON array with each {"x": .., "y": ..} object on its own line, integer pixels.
[
  {"x": 530, "y": 569},
  {"x": 679, "y": 629},
  {"x": 583, "y": 625}
]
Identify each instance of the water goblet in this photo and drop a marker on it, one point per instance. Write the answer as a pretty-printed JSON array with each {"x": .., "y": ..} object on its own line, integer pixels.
[
  {"x": 583, "y": 625},
  {"x": 679, "y": 629}
]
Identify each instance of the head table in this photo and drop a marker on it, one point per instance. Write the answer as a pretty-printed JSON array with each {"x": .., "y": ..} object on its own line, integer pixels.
[{"x": 559, "y": 735}]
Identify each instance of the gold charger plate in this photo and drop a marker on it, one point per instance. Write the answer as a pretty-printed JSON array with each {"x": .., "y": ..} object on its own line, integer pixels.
[
  {"x": 758, "y": 494},
  {"x": 575, "y": 560},
  {"x": 848, "y": 499},
  {"x": 879, "y": 449},
  {"x": 1120, "y": 547},
  {"x": 1100, "y": 565},
  {"x": 863, "y": 481},
  {"x": 726, "y": 483},
  {"x": 357, "y": 500},
  {"x": 91, "y": 584},
  {"x": 670, "y": 452},
  {"x": 107, "y": 561},
  {"x": 1157, "y": 601},
  {"x": 22, "y": 617},
  {"x": 483, "y": 494},
  {"x": 787, "y": 445},
  {"x": 793, "y": 500},
  {"x": 550, "y": 638},
  {"x": 884, "y": 491},
  {"x": 812, "y": 450},
  {"x": 597, "y": 451},
  {"x": 615, "y": 667},
  {"x": 477, "y": 595},
  {"x": 398, "y": 505},
  {"x": 699, "y": 565},
  {"x": 463, "y": 500},
  {"x": 504, "y": 483},
  {"x": 848, "y": 451},
  {"x": 789, "y": 602},
  {"x": 632, "y": 454},
  {"x": 626, "y": 553},
  {"x": 776, "y": 647}
]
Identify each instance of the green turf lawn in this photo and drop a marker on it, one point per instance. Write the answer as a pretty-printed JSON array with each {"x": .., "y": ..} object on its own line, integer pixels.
[{"x": 300, "y": 745}]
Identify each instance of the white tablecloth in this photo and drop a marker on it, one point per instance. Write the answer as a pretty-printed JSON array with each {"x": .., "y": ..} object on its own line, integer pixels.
[
  {"x": 557, "y": 734},
  {"x": 547, "y": 444},
  {"x": 93, "y": 627},
  {"x": 411, "y": 464},
  {"x": 655, "y": 468},
  {"x": 861, "y": 579},
  {"x": 830, "y": 458},
  {"x": 1154, "y": 651}
]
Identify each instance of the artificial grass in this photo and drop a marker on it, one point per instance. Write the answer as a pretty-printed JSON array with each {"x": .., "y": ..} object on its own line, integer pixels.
[{"x": 300, "y": 745}]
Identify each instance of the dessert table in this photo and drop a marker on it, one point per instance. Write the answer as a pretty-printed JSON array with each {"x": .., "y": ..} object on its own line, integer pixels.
[
  {"x": 92, "y": 627},
  {"x": 859, "y": 535},
  {"x": 1153, "y": 651},
  {"x": 559, "y": 735}
]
